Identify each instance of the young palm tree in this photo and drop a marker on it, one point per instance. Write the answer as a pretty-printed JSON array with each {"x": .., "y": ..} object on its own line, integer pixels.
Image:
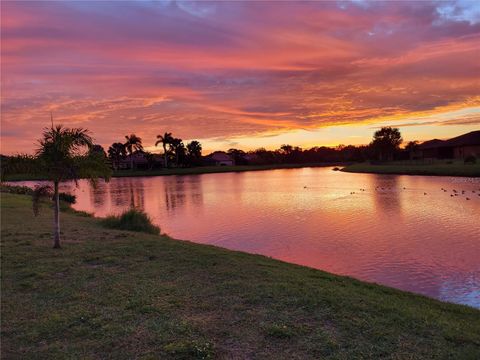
[
  {"x": 165, "y": 140},
  {"x": 133, "y": 143},
  {"x": 63, "y": 155}
]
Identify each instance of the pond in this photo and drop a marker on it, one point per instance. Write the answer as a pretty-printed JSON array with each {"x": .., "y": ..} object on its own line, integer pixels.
[{"x": 410, "y": 232}]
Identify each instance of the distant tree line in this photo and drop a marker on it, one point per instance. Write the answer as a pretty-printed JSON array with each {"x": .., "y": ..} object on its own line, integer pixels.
[
  {"x": 174, "y": 151},
  {"x": 385, "y": 146}
]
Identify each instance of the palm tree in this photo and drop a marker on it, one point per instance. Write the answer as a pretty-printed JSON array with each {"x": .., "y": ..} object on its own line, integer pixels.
[
  {"x": 133, "y": 144},
  {"x": 194, "y": 150},
  {"x": 116, "y": 152},
  {"x": 61, "y": 156},
  {"x": 165, "y": 140},
  {"x": 176, "y": 145}
]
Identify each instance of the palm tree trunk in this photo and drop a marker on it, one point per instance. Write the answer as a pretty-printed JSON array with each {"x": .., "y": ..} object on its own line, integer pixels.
[
  {"x": 166, "y": 157},
  {"x": 56, "y": 220}
]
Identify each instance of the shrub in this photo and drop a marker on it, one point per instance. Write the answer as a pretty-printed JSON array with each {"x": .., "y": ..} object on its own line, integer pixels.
[
  {"x": 279, "y": 331},
  {"x": 69, "y": 198},
  {"x": 25, "y": 190},
  {"x": 132, "y": 220},
  {"x": 470, "y": 159},
  {"x": 15, "y": 189},
  {"x": 190, "y": 349}
]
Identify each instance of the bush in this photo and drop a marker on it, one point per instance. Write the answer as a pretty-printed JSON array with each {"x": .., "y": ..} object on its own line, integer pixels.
[
  {"x": 15, "y": 189},
  {"x": 190, "y": 349},
  {"x": 132, "y": 220},
  {"x": 69, "y": 198},
  {"x": 25, "y": 190},
  {"x": 470, "y": 159}
]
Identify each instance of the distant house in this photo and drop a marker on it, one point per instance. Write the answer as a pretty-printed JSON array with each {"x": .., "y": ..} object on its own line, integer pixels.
[
  {"x": 140, "y": 160},
  {"x": 455, "y": 148},
  {"x": 219, "y": 158}
]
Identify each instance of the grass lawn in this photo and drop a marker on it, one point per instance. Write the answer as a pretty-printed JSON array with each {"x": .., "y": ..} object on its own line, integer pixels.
[
  {"x": 186, "y": 171},
  {"x": 123, "y": 295},
  {"x": 441, "y": 168}
]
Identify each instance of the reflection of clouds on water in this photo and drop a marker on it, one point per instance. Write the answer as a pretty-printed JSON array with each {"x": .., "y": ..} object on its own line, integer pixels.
[{"x": 464, "y": 290}]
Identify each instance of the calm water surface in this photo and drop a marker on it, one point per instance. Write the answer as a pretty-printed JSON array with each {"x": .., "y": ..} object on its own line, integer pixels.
[{"x": 401, "y": 231}]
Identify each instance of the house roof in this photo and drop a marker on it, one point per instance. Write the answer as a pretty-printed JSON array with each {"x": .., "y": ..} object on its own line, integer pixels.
[
  {"x": 430, "y": 144},
  {"x": 219, "y": 156},
  {"x": 469, "y": 139}
]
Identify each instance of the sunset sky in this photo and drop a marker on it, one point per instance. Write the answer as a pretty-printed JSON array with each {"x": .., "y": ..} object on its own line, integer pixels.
[{"x": 240, "y": 74}]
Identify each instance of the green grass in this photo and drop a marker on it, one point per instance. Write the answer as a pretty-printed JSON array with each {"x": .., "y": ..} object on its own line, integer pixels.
[
  {"x": 185, "y": 171},
  {"x": 122, "y": 295},
  {"x": 132, "y": 220},
  {"x": 440, "y": 168}
]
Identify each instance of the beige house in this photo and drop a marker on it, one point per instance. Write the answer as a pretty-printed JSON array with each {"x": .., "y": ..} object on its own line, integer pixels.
[{"x": 219, "y": 158}]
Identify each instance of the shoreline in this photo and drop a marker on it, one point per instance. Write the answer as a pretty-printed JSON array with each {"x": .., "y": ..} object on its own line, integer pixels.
[
  {"x": 192, "y": 296},
  {"x": 399, "y": 168},
  {"x": 436, "y": 169},
  {"x": 199, "y": 170}
]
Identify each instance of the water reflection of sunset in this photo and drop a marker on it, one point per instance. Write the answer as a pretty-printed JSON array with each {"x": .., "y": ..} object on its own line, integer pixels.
[{"x": 391, "y": 233}]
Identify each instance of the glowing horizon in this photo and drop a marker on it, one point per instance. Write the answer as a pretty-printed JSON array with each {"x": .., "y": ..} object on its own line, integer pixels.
[{"x": 243, "y": 75}]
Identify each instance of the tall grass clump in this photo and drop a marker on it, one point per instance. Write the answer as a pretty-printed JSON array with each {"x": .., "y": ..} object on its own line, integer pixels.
[{"x": 132, "y": 220}]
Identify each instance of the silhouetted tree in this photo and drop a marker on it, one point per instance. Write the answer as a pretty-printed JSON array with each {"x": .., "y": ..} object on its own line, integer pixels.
[
  {"x": 98, "y": 149},
  {"x": 286, "y": 149},
  {"x": 133, "y": 144},
  {"x": 412, "y": 147},
  {"x": 194, "y": 152},
  {"x": 238, "y": 156},
  {"x": 386, "y": 142},
  {"x": 116, "y": 152},
  {"x": 178, "y": 149},
  {"x": 150, "y": 159},
  {"x": 165, "y": 140}
]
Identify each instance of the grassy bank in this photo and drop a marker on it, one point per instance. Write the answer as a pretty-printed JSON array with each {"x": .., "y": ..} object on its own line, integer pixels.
[
  {"x": 118, "y": 294},
  {"x": 443, "y": 168},
  {"x": 186, "y": 171}
]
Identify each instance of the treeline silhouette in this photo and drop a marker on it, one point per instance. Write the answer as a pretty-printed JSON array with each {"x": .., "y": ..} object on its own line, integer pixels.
[{"x": 385, "y": 146}]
